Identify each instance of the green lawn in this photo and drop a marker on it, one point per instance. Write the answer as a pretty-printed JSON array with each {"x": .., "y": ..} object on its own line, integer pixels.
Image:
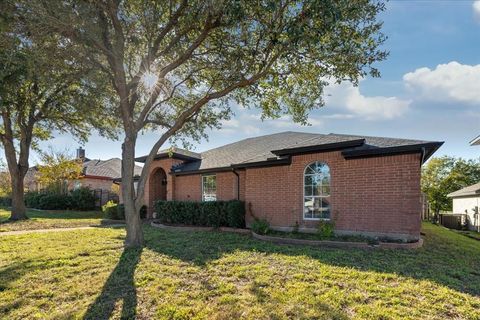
[
  {"x": 52, "y": 219},
  {"x": 213, "y": 275}
]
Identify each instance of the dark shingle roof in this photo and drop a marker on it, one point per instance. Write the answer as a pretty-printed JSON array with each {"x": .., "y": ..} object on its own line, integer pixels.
[
  {"x": 270, "y": 147},
  {"x": 175, "y": 153},
  {"x": 473, "y": 190},
  {"x": 111, "y": 168}
]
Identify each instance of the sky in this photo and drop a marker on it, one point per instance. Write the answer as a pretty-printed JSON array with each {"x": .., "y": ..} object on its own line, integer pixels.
[{"x": 429, "y": 89}]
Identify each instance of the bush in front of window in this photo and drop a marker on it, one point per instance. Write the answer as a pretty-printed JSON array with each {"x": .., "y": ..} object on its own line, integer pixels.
[
  {"x": 326, "y": 229},
  {"x": 208, "y": 213}
]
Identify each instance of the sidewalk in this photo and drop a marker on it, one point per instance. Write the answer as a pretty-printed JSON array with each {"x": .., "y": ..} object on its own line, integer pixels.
[{"x": 13, "y": 233}]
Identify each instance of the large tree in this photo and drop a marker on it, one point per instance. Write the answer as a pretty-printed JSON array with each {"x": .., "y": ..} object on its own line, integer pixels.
[
  {"x": 444, "y": 175},
  {"x": 42, "y": 89},
  {"x": 176, "y": 64}
]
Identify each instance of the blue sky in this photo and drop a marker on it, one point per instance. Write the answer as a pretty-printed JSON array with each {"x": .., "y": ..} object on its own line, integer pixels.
[{"x": 429, "y": 89}]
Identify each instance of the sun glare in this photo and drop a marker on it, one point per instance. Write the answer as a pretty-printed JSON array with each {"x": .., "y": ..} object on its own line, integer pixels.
[{"x": 149, "y": 80}]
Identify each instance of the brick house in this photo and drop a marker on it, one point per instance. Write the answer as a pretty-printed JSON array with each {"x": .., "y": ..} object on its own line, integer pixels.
[
  {"x": 97, "y": 175},
  {"x": 365, "y": 185}
]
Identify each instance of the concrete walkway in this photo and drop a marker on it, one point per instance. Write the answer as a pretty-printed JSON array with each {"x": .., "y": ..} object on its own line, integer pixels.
[{"x": 13, "y": 233}]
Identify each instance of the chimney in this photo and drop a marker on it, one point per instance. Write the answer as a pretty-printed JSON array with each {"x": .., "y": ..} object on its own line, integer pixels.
[{"x": 81, "y": 153}]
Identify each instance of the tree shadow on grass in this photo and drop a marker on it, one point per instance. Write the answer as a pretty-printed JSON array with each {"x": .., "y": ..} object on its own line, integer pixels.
[
  {"x": 119, "y": 289},
  {"x": 447, "y": 259}
]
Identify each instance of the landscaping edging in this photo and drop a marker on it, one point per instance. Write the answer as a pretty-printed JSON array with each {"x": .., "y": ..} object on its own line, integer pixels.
[
  {"x": 339, "y": 244},
  {"x": 282, "y": 240}
]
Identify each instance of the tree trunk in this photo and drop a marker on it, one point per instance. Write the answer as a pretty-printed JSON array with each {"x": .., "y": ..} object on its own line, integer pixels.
[
  {"x": 132, "y": 215},
  {"x": 19, "y": 211}
]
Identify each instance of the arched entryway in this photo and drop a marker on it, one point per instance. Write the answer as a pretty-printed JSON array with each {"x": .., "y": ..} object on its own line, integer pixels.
[{"x": 157, "y": 187}]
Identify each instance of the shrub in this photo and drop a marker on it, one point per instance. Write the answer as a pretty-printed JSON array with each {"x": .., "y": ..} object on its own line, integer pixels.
[
  {"x": 32, "y": 199},
  {"x": 52, "y": 201},
  {"x": 121, "y": 211},
  {"x": 235, "y": 214},
  {"x": 82, "y": 199},
  {"x": 143, "y": 212},
  {"x": 326, "y": 229},
  {"x": 5, "y": 201},
  {"x": 260, "y": 226},
  {"x": 208, "y": 213},
  {"x": 110, "y": 210}
]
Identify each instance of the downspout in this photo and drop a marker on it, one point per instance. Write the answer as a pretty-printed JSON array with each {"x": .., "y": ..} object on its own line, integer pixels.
[{"x": 238, "y": 183}]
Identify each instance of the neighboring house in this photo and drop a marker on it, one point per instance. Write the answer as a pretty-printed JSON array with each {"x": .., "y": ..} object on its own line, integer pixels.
[
  {"x": 98, "y": 175},
  {"x": 467, "y": 201},
  {"x": 365, "y": 185}
]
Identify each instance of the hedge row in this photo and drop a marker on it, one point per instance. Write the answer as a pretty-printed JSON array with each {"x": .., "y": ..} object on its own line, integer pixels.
[
  {"x": 117, "y": 211},
  {"x": 79, "y": 199},
  {"x": 210, "y": 213},
  {"x": 5, "y": 201}
]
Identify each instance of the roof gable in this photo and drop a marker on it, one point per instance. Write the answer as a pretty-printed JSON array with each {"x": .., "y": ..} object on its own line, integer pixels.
[{"x": 473, "y": 190}]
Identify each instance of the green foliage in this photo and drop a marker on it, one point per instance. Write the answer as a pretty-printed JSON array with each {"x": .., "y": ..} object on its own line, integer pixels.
[
  {"x": 111, "y": 211},
  {"x": 235, "y": 214},
  {"x": 57, "y": 169},
  {"x": 325, "y": 229},
  {"x": 209, "y": 213},
  {"x": 81, "y": 199},
  {"x": 441, "y": 176},
  {"x": 260, "y": 226},
  {"x": 5, "y": 201},
  {"x": 116, "y": 211}
]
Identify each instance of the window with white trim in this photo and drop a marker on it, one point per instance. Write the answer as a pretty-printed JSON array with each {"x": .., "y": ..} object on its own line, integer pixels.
[
  {"x": 209, "y": 188},
  {"x": 316, "y": 191}
]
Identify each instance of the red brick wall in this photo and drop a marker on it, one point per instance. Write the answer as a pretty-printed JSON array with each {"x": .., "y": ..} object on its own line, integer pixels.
[
  {"x": 94, "y": 183},
  {"x": 190, "y": 187},
  {"x": 166, "y": 165},
  {"x": 379, "y": 195},
  {"x": 370, "y": 195}
]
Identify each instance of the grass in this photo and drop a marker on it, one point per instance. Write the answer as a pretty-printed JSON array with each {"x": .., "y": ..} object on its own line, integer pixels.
[
  {"x": 52, "y": 219},
  {"x": 214, "y": 275},
  {"x": 472, "y": 234}
]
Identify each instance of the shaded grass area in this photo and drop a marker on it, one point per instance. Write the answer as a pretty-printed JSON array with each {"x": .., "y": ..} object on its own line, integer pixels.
[
  {"x": 214, "y": 275},
  {"x": 471, "y": 234},
  {"x": 50, "y": 219}
]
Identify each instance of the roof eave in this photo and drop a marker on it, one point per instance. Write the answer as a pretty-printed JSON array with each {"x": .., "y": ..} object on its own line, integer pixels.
[
  {"x": 174, "y": 155},
  {"x": 427, "y": 148},
  {"x": 268, "y": 163},
  {"x": 319, "y": 147}
]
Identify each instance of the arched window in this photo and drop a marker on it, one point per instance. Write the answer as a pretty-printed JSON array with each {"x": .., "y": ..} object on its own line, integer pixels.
[{"x": 316, "y": 194}]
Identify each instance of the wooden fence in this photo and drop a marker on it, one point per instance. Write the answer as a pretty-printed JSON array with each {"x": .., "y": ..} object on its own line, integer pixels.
[{"x": 456, "y": 221}]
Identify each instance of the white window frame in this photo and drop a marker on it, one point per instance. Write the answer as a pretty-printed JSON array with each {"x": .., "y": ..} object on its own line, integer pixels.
[
  {"x": 304, "y": 196},
  {"x": 203, "y": 186}
]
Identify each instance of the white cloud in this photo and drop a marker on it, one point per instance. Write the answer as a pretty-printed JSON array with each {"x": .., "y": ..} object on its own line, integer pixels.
[
  {"x": 452, "y": 82},
  {"x": 476, "y": 10},
  {"x": 349, "y": 97}
]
